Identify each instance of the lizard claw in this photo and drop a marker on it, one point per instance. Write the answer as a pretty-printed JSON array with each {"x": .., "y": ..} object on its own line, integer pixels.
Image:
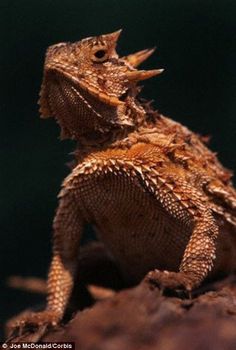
[
  {"x": 170, "y": 280},
  {"x": 32, "y": 321}
]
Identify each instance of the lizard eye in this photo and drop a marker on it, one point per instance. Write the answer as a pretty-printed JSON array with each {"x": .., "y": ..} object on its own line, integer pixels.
[{"x": 100, "y": 55}]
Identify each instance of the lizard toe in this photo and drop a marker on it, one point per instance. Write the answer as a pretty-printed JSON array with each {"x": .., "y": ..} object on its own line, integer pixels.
[{"x": 170, "y": 280}]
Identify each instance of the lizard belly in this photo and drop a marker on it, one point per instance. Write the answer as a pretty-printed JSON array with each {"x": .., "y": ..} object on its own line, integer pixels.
[{"x": 132, "y": 224}]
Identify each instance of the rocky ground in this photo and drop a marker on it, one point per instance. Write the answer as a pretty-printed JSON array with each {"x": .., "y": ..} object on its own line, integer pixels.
[{"x": 114, "y": 316}]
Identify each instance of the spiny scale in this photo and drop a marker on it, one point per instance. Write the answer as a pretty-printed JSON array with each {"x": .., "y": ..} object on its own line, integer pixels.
[
  {"x": 135, "y": 59},
  {"x": 142, "y": 74}
]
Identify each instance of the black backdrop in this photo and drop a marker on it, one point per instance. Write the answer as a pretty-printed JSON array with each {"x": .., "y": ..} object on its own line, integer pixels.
[{"x": 195, "y": 42}]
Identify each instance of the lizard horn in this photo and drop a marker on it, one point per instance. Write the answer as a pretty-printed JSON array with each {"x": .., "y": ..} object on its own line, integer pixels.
[
  {"x": 142, "y": 74},
  {"x": 113, "y": 37},
  {"x": 135, "y": 59}
]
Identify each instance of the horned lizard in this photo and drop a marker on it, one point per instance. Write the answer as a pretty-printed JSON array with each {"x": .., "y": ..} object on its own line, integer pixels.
[{"x": 155, "y": 194}]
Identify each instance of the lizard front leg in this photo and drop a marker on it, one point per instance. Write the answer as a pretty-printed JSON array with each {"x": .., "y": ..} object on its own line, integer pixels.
[
  {"x": 67, "y": 226},
  {"x": 197, "y": 261},
  {"x": 187, "y": 204}
]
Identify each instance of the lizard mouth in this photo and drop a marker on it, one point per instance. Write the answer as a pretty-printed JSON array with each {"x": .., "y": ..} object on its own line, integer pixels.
[{"x": 76, "y": 80}]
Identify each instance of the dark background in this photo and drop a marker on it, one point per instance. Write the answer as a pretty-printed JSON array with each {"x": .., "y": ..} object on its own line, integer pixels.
[{"x": 196, "y": 45}]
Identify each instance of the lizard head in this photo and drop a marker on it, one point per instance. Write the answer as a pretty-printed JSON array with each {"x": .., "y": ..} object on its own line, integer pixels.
[{"x": 86, "y": 85}]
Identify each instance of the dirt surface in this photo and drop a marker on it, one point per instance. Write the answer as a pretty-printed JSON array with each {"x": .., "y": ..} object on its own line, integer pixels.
[{"x": 142, "y": 317}]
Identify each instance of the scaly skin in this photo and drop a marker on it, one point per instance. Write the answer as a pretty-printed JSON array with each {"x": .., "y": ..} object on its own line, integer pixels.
[{"x": 155, "y": 194}]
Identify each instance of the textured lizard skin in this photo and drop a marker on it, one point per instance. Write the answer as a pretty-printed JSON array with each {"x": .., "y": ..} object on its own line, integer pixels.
[{"x": 155, "y": 194}]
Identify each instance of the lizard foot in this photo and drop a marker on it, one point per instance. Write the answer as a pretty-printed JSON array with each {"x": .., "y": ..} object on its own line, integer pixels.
[
  {"x": 171, "y": 280},
  {"x": 32, "y": 321}
]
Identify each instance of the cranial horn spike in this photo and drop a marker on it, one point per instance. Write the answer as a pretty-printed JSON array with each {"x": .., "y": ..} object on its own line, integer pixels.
[
  {"x": 142, "y": 74},
  {"x": 137, "y": 58},
  {"x": 112, "y": 36}
]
